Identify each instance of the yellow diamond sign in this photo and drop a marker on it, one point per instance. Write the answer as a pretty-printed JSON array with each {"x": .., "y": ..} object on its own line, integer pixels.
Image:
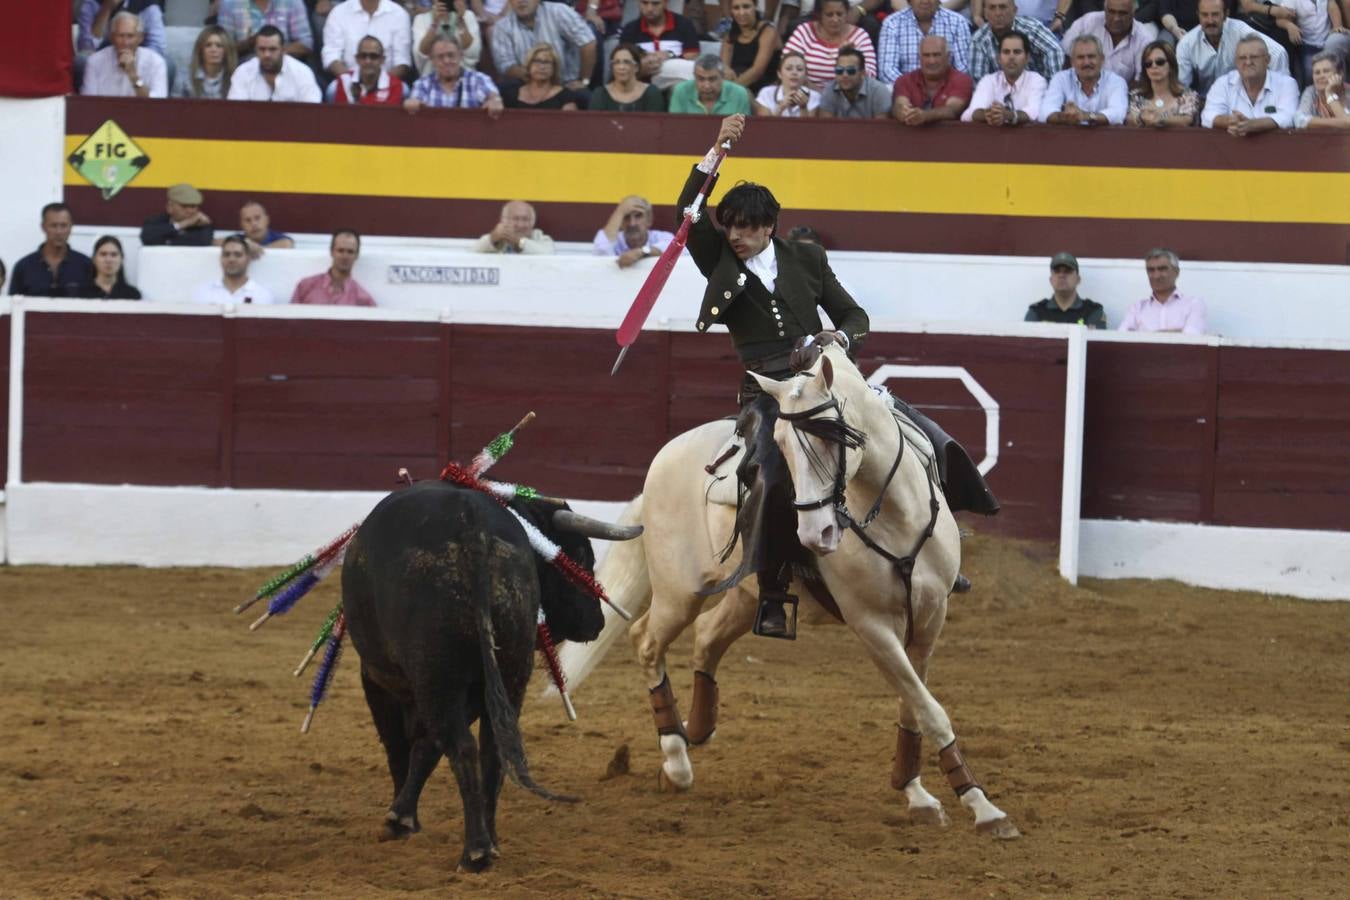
[{"x": 108, "y": 159}]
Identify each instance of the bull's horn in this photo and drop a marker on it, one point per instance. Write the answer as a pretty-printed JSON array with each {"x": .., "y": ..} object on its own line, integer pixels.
[{"x": 566, "y": 520}]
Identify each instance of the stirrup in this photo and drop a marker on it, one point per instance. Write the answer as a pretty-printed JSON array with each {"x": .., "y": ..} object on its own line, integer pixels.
[{"x": 789, "y": 631}]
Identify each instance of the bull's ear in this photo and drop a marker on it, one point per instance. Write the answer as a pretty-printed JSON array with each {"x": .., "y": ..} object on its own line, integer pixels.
[{"x": 827, "y": 372}]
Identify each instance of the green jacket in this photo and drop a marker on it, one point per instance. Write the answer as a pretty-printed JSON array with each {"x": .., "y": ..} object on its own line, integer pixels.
[{"x": 734, "y": 99}]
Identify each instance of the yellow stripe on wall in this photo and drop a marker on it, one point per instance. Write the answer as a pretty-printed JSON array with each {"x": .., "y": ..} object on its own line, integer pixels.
[{"x": 983, "y": 189}]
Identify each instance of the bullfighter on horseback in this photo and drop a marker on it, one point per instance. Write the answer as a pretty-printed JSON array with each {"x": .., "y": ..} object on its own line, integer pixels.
[{"x": 768, "y": 293}]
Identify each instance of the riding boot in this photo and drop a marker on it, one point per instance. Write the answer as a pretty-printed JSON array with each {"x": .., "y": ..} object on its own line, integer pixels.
[{"x": 772, "y": 619}]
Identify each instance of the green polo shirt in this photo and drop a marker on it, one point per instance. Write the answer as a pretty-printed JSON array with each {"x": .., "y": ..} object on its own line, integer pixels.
[{"x": 734, "y": 99}]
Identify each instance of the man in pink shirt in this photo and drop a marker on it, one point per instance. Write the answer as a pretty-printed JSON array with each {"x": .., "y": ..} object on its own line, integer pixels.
[
  {"x": 336, "y": 287},
  {"x": 1166, "y": 309}
]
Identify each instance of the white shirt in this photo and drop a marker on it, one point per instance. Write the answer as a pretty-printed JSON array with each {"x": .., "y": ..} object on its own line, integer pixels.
[
  {"x": 469, "y": 55},
  {"x": 1111, "y": 98},
  {"x": 1312, "y": 19},
  {"x": 1027, "y": 94},
  {"x": 1278, "y": 100},
  {"x": 294, "y": 83},
  {"x": 103, "y": 77},
  {"x": 348, "y": 23},
  {"x": 1199, "y": 64},
  {"x": 250, "y": 292},
  {"x": 1122, "y": 58},
  {"x": 770, "y": 94},
  {"x": 764, "y": 266}
]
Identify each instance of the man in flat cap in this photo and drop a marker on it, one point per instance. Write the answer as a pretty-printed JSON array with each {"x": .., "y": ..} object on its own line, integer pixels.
[
  {"x": 182, "y": 224},
  {"x": 1064, "y": 305}
]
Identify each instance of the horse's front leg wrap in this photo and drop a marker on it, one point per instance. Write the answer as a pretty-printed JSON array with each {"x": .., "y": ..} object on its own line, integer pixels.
[
  {"x": 908, "y": 757},
  {"x": 666, "y": 711},
  {"x": 954, "y": 767},
  {"x": 703, "y": 712}
]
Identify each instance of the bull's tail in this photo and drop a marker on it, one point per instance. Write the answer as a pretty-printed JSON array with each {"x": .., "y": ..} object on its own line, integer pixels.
[
  {"x": 501, "y": 714},
  {"x": 623, "y": 572}
]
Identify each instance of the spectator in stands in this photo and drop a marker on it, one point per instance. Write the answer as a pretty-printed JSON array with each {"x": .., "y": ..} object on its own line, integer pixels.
[
  {"x": 1086, "y": 94},
  {"x": 529, "y": 23},
  {"x": 443, "y": 19},
  {"x": 1013, "y": 94},
  {"x": 336, "y": 287},
  {"x": 350, "y": 21},
  {"x": 791, "y": 97},
  {"x": 1208, "y": 51},
  {"x": 370, "y": 84},
  {"x": 1158, "y": 99},
  {"x": 625, "y": 91},
  {"x": 1064, "y": 305},
  {"x": 233, "y": 285},
  {"x": 902, "y": 32},
  {"x": 628, "y": 235},
  {"x": 669, "y": 43},
  {"x": 125, "y": 68},
  {"x": 256, "y": 227},
  {"x": 1313, "y": 26},
  {"x": 934, "y": 92},
  {"x": 854, "y": 94},
  {"x": 606, "y": 16},
  {"x": 750, "y": 45},
  {"x": 244, "y": 19},
  {"x": 543, "y": 87},
  {"x": 1166, "y": 308},
  {"x": 1046, "y": 55},
  {"x": 1175, "y": 18},
  {"x": 1122, "y": 37},
  {"x": 1251, "y": 98},
  {"x": 452, "y": 86},
  {"x": 182, "y": 224},
  {"x": 107, "y": 280},
  {"x": 95, "y": 16},
  {"x": 515, "y": 233},
  {"x": 711, "y": 92},
  {"x": 272, "y": 75},
  {"x": 820, "y": 39},
  {"x": 1324, "y": 104},
  {"x": 207, "y": 74},
  {"x": 54, "y": 269}
]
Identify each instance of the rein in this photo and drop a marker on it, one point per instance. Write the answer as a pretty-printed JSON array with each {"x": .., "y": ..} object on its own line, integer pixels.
[{"x": 842, "y": 435}]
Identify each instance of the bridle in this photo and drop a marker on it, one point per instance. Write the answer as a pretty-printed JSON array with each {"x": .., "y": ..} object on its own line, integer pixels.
[{"x": 836, "y": 431}]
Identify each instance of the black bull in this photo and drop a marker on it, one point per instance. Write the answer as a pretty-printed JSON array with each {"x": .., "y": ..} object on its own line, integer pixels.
[{"x": 441, "y": 590}]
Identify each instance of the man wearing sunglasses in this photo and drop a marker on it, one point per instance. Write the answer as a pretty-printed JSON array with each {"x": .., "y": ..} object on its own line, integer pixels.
[
  {"x": 370, "y": 84},
  {"x": 934, "y": 92},
  {"x": 854, "y": 94}
]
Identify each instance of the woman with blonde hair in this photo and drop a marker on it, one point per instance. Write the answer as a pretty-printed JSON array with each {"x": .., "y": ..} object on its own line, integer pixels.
[
  {"x": 1324, "y": 104},
  {"x": 542, "y": 87},
  {"x": 207, "y": 74},
  {"x": 791, "y": 97}
]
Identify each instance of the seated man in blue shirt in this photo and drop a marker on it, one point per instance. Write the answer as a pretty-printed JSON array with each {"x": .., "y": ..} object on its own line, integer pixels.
[
  {"x": 54, "y": 269},
  {"x": 628, "y": 235},
  {"x": 1086, "y": 94}
]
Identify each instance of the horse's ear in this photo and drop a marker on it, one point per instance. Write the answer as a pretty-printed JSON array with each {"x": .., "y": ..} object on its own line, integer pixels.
[
  {"x": 827, "y": 370},
  {"x": 767, "y": 385}
]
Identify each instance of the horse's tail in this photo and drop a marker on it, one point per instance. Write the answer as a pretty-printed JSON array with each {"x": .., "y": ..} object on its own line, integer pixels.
[{"x": 623, "y": 572}]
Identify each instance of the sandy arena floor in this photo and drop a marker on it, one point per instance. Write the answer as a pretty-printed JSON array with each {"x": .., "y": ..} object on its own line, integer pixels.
[{"x": 1149, "y": 739}]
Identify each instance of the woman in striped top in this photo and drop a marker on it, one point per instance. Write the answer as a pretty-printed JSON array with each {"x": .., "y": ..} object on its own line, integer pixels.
[{"x": 819, "y": 42}]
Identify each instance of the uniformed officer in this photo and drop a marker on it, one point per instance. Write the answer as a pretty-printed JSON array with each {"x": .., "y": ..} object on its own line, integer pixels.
[{"x": 768, "y": 293}]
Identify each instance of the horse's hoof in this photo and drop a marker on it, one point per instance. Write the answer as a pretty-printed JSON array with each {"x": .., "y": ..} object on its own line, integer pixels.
[
  {"x": 395, "y": 829},
  {"x": 665, "y": 785},
  {"x": 1001, "y": 829},
  {"x": 475, "y": 862},
  {"x": 929, "y": 815}
]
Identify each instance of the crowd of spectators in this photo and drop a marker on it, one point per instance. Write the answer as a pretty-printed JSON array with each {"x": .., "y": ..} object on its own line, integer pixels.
[{"x": 1236, "y": 65}]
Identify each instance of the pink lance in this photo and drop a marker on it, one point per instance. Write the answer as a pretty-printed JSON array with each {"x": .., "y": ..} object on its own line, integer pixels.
[{"x": 656, "y": 279}]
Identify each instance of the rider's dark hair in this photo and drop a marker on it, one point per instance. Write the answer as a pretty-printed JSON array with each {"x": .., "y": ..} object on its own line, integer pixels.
[{"x": 748, "y": 205}]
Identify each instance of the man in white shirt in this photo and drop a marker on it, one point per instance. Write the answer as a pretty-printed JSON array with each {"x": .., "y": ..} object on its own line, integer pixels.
[
  {"x": 350, "y": 21},
  {"x": 1123, "y": 37},
  {"x": 1085, "y": 94},
  {"x": 233, "y": 285},
  {"x": 124, "y": 68},
  {"x": 1012, "y": 95},
  {"x": 272, "y": 74},
  {"x": 1252, "y": 98},
  {"x": 1207, "y": 50},
  {"x": 1314, "y": 25}
]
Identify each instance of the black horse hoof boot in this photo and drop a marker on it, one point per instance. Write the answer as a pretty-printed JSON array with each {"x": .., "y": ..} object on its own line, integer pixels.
[{"x": 772, "y": 620}]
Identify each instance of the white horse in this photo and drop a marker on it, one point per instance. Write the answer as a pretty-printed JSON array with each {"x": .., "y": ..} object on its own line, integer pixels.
[{"x": 824, "y": 413}]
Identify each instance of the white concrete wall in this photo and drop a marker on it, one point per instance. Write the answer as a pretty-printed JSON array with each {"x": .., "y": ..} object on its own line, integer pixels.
[{"x": 31, "y": 137}]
